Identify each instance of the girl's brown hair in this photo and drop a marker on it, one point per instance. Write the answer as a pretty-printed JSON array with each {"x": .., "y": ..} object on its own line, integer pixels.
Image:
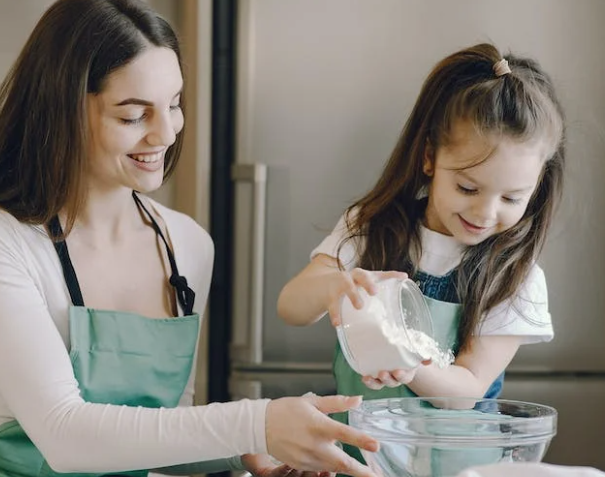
[
  {"x": 74, "y": 47},
  {"x": 463, "y": 87}
]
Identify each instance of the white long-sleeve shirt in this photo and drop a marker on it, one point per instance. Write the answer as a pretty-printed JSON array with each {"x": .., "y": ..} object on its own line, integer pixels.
[{"x": 38, "y": 388}]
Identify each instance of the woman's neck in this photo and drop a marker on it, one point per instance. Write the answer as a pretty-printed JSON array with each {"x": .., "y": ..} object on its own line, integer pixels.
[{"x": 108, "y": 217}]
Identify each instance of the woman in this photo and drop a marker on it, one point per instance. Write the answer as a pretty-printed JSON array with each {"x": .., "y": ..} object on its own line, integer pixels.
[{"x": 101, "y": 287}]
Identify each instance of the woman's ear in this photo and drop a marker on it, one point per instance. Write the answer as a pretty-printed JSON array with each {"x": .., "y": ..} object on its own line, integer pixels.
[{"x": 428, "y": 161}]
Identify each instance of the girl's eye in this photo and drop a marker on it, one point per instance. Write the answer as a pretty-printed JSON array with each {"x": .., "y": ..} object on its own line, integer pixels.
[
  {"x": 510, "y": 200},
  {"x": 466, "y": 190},
  {"x": 175, "y": 107},
  {"x": 133, "y": 121}
]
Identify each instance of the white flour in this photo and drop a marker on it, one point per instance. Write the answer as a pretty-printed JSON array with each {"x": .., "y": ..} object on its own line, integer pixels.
[{"x": 377, "y": 343}]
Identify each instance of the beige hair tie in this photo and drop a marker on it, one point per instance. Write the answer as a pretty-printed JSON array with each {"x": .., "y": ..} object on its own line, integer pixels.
[{"x": 501, "y": 67}]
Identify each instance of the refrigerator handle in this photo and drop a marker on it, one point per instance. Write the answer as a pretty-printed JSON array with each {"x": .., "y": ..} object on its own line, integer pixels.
[
  {"x": 244, "y": 389},
  {"x": 250, "y": 323}
]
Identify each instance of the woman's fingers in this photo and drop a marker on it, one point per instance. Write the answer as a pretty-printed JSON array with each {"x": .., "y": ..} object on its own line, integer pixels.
[{"x": 299, "y": 434}]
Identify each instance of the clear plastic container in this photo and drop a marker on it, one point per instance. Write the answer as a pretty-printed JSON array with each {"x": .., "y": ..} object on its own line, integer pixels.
[
  {"x": 389, "y": 332},
  {"x": 440, "y": 437}
]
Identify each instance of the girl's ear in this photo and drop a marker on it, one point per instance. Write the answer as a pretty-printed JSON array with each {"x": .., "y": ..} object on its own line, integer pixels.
[{"x": 428, "y": 161}]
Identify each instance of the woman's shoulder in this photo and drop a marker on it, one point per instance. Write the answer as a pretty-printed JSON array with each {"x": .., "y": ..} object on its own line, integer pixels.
[
  {"x": 13, "y": 231},
  {"x": 183, "y": 228},
  {"x": 8, "y": 223}
]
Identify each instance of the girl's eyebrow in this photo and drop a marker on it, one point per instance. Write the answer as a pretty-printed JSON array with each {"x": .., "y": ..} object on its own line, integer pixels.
[
  {"x": 467, "y": 177},
  {"x": 474, "y": 181}
]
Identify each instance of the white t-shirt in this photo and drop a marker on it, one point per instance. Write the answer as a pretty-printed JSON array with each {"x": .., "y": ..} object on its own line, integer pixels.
[
  {"x": 526, "y": 314},
  {"x": 39, "y": 390}
]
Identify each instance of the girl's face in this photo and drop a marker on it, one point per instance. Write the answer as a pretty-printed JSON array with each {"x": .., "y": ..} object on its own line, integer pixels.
[
  {"x": 133, "y": 121},
  {"x": 489, "y": 197}
]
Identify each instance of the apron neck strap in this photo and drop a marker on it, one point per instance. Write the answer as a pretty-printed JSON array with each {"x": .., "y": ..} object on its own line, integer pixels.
[
  {"x": 184, "y": 294},
  {"x": 55, "y": 230}
]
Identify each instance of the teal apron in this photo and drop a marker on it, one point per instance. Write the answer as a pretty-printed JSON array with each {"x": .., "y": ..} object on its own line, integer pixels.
[
  {"x": 118, "y": 358},
  {"x": 446, "y": 318}
]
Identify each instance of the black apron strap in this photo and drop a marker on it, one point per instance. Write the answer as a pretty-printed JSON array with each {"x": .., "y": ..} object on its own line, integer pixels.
[
  {"x": 55, "y": 230},
  {"x": 184, "y": 294}
]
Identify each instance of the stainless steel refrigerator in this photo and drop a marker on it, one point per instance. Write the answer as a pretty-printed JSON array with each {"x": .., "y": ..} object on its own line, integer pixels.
[{"x": 322, "y": 90}]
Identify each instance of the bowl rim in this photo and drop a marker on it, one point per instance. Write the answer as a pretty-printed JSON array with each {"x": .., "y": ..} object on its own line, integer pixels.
[
  {"x": 548, "y": 411},
  {"x": 548, "y": 416}
]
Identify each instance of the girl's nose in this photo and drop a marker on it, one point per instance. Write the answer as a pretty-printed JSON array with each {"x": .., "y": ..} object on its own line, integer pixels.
[{"x": 485, "y": 211}]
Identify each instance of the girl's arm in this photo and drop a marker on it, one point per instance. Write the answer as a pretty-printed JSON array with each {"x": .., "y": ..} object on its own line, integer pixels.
[
  {"x": 471, "y": 374},
  {"x": 473, "y": 371},
  {"x": 319, "y": 288},
  {"x": 307, "y": 297},
  {"x": 522, "y": 319}
]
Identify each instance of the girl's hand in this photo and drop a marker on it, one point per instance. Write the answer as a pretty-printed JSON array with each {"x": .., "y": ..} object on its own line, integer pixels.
[
  {"x": 262, "y": 465},
  {"x": 348, "y": 284},
  {"x": 300, "y": 434},
  {"x": 391, "y": 379}
]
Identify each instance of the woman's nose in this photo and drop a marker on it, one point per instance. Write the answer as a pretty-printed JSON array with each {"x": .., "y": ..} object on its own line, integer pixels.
[{"x": 163, "y": 131}]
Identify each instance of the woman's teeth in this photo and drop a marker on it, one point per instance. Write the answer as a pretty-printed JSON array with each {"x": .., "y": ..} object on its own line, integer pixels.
[{"x": 146, "y": 157}]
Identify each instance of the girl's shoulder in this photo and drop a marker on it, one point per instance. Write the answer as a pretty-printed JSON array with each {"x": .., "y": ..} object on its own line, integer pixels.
[{"x": 526, "y": 313}]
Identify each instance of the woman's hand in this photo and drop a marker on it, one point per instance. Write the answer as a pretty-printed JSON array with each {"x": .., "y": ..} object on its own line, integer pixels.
[
  {"x": 348, "y": 284},
  {"x": 300, "y": 434},
  {"x": 262, "y": 465},
  {"x": 392, "y": 379}
]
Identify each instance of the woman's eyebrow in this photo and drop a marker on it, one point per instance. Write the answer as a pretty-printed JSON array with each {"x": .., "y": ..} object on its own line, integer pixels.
[{"x": 139, "y": 101}]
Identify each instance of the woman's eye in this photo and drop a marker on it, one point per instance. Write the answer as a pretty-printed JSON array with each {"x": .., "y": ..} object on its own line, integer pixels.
[
  {"x": 132, "y": 121},
  {"x": 467, "y": 190}
]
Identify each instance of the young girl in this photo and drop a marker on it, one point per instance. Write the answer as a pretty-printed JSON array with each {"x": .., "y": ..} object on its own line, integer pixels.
[{"x": 463, "y": 207}]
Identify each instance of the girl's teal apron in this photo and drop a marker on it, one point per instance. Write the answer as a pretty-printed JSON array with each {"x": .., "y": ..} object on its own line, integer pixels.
[
  {"x": 446, "y": 318},
  {"x": 118, "y": 358}
]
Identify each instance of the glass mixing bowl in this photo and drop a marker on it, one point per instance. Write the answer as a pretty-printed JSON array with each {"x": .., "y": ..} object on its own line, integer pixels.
[{"x": 419, "y": 439}]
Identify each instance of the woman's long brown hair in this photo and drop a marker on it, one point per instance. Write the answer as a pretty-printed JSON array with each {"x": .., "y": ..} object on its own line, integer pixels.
[
  {"x": 73, "y": 49},
  {"x": 521, "y": 105}
]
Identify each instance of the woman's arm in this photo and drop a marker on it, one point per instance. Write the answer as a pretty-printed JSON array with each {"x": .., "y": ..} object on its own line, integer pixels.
[{"x": 38, "y": 389}]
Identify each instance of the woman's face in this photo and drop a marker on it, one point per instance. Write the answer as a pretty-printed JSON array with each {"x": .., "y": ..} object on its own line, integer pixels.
[{"x": 134, "y": 120}]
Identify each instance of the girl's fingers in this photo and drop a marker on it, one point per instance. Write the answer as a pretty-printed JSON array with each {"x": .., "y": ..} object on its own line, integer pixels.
[
  {"x": 391, "y": 274},
  {"x": 372, "y": 383},
  {"x": 365, "y": 279},
  {"x": 403, "y": 376},
  {"x": 334, "y": 314},
  {"x": 388, "y": 380}
]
